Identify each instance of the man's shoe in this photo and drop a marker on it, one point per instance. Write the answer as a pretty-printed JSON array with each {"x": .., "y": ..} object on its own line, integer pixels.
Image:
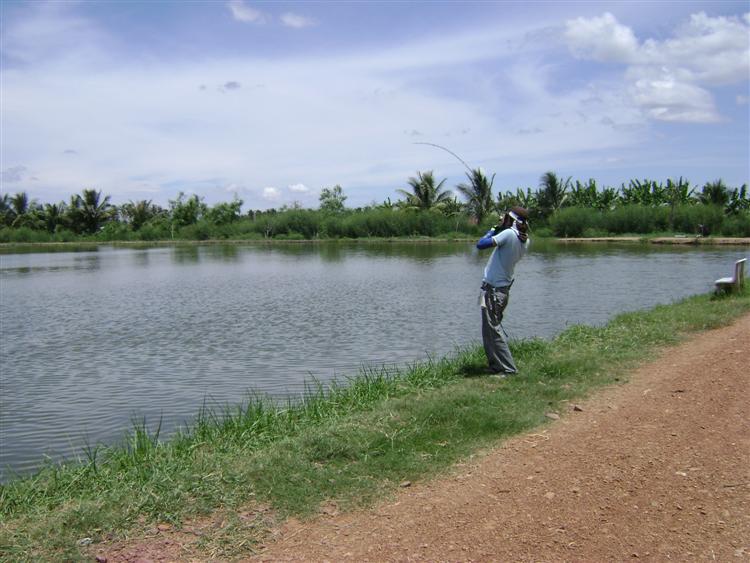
[{"x": 499, "y": 374}]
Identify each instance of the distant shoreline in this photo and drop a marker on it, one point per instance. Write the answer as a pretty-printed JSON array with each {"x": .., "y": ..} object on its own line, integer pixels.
[{"x": 677, "y": 240}]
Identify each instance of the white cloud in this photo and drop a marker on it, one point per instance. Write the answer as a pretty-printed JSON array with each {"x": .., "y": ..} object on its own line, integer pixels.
[
  {"x": 742, "y": 100},
  {"x": 667, "y": 98},
  {"x": 296, "y": 21},
  {"x": 714, "y": 50},
  {"x": 244, "y": 13},
  {"x": 51, "y": 29},
  {"x": 13, "y": 174},
  {"x": 601, "y": 38},
  {"x": 299, "y": 188},
  {"x": 669, "y": 79},
  {"x": 271, "y": 194}
]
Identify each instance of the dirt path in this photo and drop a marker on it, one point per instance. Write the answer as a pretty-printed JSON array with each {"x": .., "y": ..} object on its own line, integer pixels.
[{"x": 658, "y": 469}]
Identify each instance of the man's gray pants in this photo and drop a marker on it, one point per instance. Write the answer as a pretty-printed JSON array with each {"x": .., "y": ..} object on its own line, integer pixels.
[{"x": 494, "y": 301}]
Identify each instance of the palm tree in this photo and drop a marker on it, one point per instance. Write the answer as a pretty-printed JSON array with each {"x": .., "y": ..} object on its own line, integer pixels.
[
  {"x": 19, "y": 203},
  {"x": 715, "y": 193},
  {"x": 88, "y": 211},
  {"x": 52, "y": 215},
  {"x": 478, "y": 193},
  {"x": 139, "y": 212},
  {"x": 425, "y": 193},
  {"x": 553, "y": 192},
  {"x": 22, "y": 212},
  {"x": 6, "y": 211}
]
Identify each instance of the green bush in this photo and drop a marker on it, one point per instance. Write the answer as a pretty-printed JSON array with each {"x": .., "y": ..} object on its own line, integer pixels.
[
  {"x": 303, "y": 221},
  {"x": 64, "y": 235},
  {"x": 636, "y": 219},
  {"x": 202, "y": 230},
  {"x": 736, "y": 225},
  {"x": 592, "y": 232},
  {"x": 154, "y": 231},
  {"x": 540, "y": 232},
  {"x": 573, "y": 221},
  {"x": 387, "y": 223},
  {"x": 23, "y": 234},
  {"x": 687, "y": 218},
  {"x": 241, "y": 229},
  {"x": 291, "y": 235},
  {"x": 115, "y": 231}
]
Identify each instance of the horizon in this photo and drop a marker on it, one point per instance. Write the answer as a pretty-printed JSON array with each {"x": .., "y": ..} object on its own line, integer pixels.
[{"x": 273, "y": 101}]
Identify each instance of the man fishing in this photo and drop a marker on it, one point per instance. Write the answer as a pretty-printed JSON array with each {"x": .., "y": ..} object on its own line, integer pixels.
[{"x": 510, "y": 241}]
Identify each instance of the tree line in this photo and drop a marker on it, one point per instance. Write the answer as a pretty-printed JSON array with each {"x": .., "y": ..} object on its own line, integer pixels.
[{"x": 558, "y": 206}]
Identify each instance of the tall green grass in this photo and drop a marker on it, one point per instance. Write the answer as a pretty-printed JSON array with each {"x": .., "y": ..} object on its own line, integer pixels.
[
  {"x": 352, "y": 442},
  {"x": 292, "y": 224},
  {"x": 640, "y": 219},
  {"x": 311, "y": 224}
]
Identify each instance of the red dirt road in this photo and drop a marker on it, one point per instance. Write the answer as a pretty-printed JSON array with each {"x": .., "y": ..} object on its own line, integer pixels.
[{"x": 658, "y": 469}]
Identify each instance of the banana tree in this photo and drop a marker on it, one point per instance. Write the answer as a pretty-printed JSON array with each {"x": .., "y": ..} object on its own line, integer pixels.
[
  {"x": 643, "y": 192},
  {"x": 739, "y": 201},
  {"x": 583, "y": 195}
]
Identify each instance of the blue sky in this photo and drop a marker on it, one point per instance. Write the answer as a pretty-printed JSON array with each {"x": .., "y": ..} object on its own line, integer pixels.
[{"x": 273, "y": 101}]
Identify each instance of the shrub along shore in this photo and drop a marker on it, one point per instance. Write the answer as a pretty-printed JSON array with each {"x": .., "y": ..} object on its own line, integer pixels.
[
  {"x": 368, "y": 223},
  {"x": 352, "y": 442}
]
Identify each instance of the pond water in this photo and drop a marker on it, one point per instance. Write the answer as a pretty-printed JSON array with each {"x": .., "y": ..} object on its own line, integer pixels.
[{"x": 90, "y": 341}]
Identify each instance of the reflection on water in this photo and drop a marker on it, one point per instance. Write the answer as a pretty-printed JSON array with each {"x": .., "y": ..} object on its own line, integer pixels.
[
  {"x": 186, "y": 254},
  {"x": 92, "y": 339}
]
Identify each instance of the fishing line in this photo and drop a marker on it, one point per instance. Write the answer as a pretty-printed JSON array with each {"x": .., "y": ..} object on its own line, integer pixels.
[{"x": 461, "y": 160}]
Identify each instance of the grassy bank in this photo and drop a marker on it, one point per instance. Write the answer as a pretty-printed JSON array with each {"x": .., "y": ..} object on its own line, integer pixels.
[
  {"x": 352, "y": 444},
  {"x": 30, "y": 247}
]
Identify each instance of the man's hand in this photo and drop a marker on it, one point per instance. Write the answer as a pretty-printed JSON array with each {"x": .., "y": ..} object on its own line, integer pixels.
[{"x": 522, "y": 230}]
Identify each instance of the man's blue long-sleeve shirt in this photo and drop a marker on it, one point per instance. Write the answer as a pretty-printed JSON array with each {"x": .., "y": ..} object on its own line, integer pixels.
[{"x": 502, "y": 262}]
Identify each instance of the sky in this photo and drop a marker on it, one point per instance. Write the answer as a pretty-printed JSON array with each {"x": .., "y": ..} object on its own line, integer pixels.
[{"x": 273, "y": 101}]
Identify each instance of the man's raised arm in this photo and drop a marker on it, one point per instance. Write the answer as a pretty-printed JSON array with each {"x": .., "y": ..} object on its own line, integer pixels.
[{"x": 487, "y": 241}]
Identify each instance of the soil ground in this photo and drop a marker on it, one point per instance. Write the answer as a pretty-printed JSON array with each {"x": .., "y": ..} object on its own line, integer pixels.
[{"x": 657, "y": 469}]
